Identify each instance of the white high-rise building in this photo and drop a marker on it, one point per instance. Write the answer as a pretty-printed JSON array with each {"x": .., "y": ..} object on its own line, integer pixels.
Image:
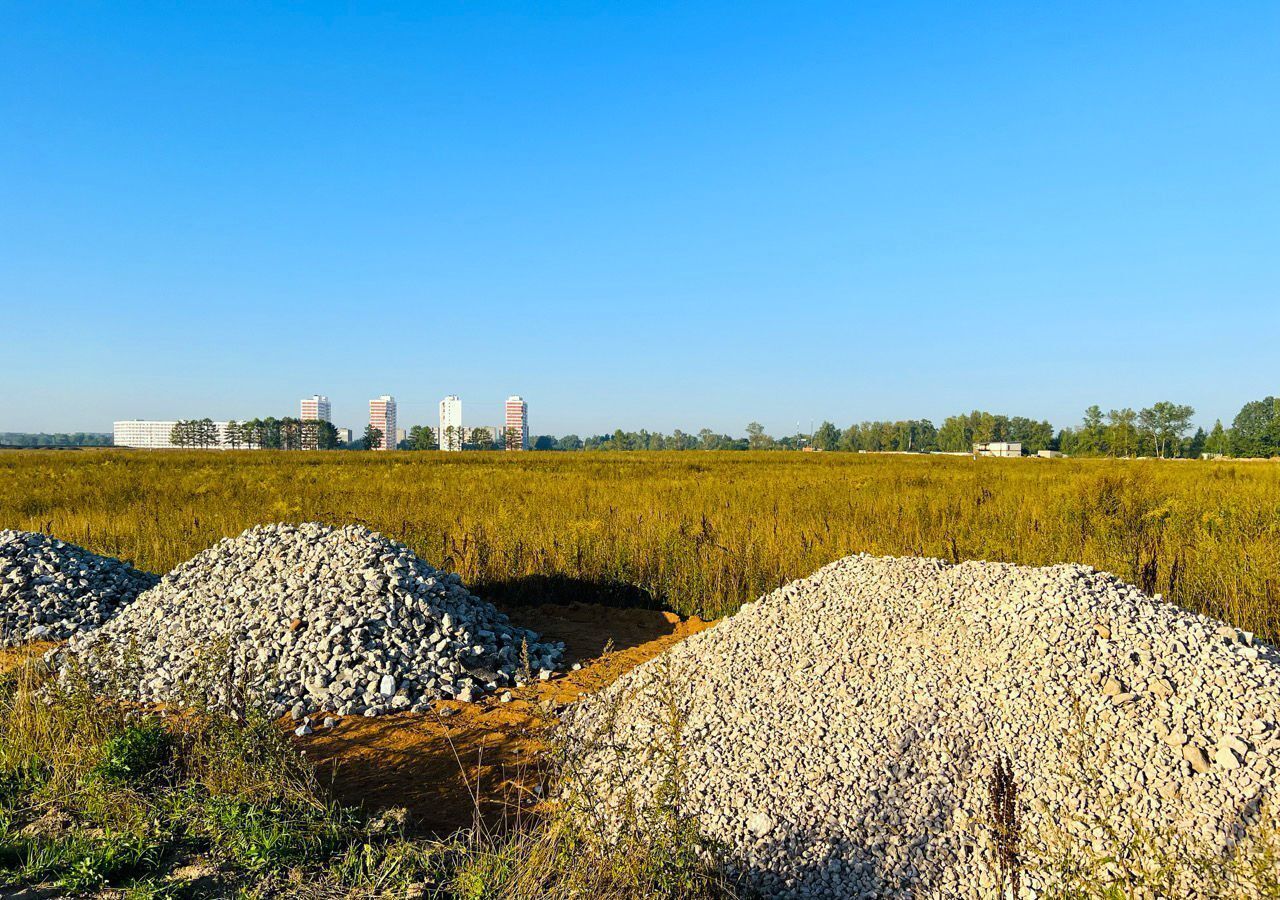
[
  {"x": 382, "y": 416},
  {"x": 516, "y": 434},
  {"x": 450, "y": 436},
  {"x": 316, "y": 407},
  {"x": 313, "y": 408}
]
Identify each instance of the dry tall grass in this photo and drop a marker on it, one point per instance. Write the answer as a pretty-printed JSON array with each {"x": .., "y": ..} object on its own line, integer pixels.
[{"x": 700, "y": 532}]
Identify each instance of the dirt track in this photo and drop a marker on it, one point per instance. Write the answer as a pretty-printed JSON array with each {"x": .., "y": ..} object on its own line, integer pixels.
[{"x": 486, "y": 757}]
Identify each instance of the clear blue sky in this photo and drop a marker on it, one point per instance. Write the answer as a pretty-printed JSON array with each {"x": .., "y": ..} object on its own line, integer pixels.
[{"x": 640, "y": 215}]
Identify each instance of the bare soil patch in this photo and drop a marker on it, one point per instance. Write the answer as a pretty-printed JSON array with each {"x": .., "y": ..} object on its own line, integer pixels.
[{"x": 461, "y": 761}]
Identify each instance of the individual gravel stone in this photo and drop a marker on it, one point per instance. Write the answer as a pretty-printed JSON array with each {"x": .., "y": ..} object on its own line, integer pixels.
[
  {"x": 837, "y": 736},
  {"x": 305, "y": 619},
  {"x": 50, "y": 590}
]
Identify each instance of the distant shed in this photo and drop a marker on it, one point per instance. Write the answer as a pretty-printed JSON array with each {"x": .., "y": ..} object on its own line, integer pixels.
[{"x": 998, "y": 448}]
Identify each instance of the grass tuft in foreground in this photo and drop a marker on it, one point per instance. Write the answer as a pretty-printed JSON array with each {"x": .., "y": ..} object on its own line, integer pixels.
[{"x": 98, "y": 798}]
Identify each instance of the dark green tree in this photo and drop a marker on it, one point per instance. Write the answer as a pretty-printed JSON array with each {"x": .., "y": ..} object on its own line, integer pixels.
[
  {"x": 326, "y": 436},
  {"x": 1256, "y": 429}
]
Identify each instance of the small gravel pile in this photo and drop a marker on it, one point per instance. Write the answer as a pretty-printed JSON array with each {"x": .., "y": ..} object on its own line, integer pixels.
[
  {"x": 309, "y": 618},
  {"x": 50, "y": 590},
  {"x": 840, "y": 734}
]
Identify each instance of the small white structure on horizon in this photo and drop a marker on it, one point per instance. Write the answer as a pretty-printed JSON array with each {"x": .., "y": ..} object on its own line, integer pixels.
[
  {"x": 1050, "y": 454},
  {"x": 998, "y": 448}
]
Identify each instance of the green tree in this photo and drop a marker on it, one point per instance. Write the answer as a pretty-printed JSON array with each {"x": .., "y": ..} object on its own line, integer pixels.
[
  {"x": 955, "y": 435},
  {"x": 326, "y": 436},
  {"x": 372, "y": 437},
  {"x": 850, "y": 439},
  {"x": 1218, "y": 442},
  {"x": 756, "y": 438},
  {"x": 1194, "y": 448},
  {"x": 1164, "y": 424},
  {"x": 1091, "y": 438},
  {"x": 452, "y": 438},
  {"x": 1256, "y": 429},
  {"x": 827, "y": 437},
  {"x": 1122, "y": 432},
  {"x": 422, "y": 437}
]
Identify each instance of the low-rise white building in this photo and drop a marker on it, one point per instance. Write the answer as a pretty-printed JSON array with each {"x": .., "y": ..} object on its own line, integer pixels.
[{"x": 149, "y": 434}]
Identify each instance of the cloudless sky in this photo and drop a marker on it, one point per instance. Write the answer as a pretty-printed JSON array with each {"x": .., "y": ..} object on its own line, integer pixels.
[{"x": 637, "y": 215}]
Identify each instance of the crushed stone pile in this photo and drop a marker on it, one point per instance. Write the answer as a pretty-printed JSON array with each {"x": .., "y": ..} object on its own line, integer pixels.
[
  {"x": 839, "y": 735},
  {"x": 50, "y": 590},
  {"x": 310, "y": 618}
]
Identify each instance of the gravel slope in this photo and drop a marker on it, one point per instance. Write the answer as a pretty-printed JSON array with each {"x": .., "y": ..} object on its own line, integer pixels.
[
  {"x": 50, "y": 590},
  {"x": 840, "y": 732},
  {"x": 310, "y": 618}
]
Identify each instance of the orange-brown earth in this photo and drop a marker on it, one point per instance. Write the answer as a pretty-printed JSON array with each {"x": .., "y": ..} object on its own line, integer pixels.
[
  {"x": 464, "y": 760},
  {"x": 12, "y": 657},
  {"x": 484, "y": 760}
]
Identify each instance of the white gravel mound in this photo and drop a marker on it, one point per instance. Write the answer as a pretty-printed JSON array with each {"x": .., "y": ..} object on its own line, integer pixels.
[
  {"x": 308, "y": 618},
  {"x": 840, "y": 732},
  {"x": 50, "y": 590}
]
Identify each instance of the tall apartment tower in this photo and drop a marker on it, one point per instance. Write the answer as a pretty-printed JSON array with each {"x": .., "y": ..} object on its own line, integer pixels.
[
  {"x": 382, "y": 416},
  {"x": 516, "y": 430},
  {"x": 316, "y": 407},
  {"x": 450, "y": 436}
]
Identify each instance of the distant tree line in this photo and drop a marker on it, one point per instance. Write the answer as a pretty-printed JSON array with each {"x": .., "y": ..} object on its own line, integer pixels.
[
  {"x": 58, "y": 439},
  {"x": 1163, "y": 429},
  {"x": 265, "y": 434},
  {"x": 483, "y": 437}
]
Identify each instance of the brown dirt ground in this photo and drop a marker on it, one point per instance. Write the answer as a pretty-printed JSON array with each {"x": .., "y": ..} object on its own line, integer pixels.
[
  {"x": 12, "y": 657},
  {"x": 483, "y": 761},
  {"x": 485, "y": 758}
]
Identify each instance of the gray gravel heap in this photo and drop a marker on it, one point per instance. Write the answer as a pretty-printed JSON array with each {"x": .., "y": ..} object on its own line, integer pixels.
[
  {"x": 50, "y": 590},
  {"x": 840, "y": 732},
  {"x": 310, "y": 618}
]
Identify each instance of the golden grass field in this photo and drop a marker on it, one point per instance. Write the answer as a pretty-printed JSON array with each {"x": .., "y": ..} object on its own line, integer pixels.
[{"x": 698, "y": 532}]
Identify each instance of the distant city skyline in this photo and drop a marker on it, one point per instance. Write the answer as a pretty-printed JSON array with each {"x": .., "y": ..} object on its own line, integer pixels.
[
  {"x": 681, "y": 216},
  {"x": 320, "y": 407}
]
